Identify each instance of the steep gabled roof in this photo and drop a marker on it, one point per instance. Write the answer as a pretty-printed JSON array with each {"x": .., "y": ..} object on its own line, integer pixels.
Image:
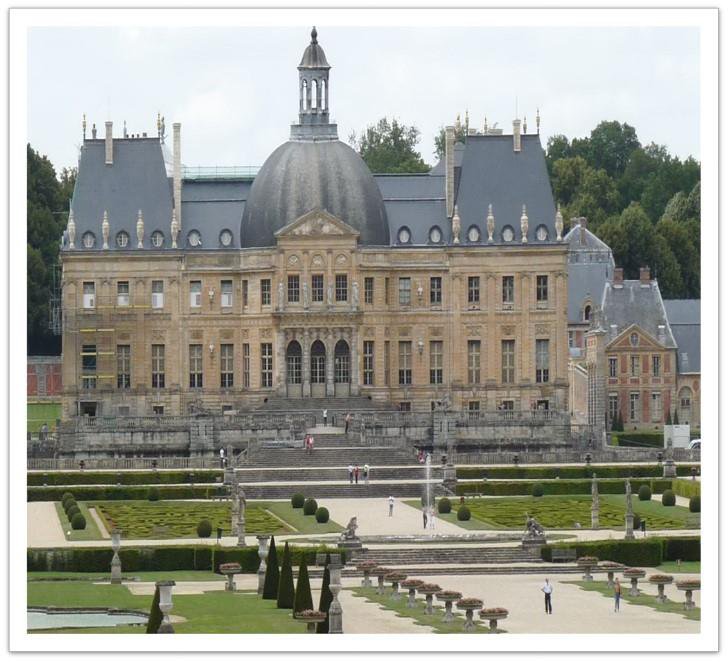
[{"x": 684, "y": 316}]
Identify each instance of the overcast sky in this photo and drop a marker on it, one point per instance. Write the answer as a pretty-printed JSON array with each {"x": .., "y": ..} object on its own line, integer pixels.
[{"x": 236, "y": 90}]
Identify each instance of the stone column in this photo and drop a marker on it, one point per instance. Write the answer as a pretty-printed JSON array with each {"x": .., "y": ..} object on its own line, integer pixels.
[
  {"x": 354, "y": 389},
  {"x": 330, "y": 343},
  {"x": 241, "y": 518},
  {"x": 595, "y": 503},
  {"x": 262, "y": 554},
  {"x": 629, "y": 514},
  {"x": 280, "y": 362},
  {"x": 306, "y": 367},
  {"x": 335, "y": 611}
]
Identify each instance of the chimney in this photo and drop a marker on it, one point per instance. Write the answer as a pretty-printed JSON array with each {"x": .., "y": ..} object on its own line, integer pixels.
[
  {"x": 516, "y": 135},
  {"x": 109, "y": 144},
  {"x": 618, "y": 278},
  {"x": 612, "y": 330},
  {"x": 661, "y": 333},
  {"x": 177, "y": 171},
  {"x": 644, "y": 275},
  {"x": 582, "y": 231},
  {"x": 449, "y": 170}
]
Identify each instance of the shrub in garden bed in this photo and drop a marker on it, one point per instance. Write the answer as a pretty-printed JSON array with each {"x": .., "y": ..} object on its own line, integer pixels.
[
  {"x": 463, "y": 514},
  {"x": 322, "y": 515},
  {"x": 78, "y": 522},
  {"x": 694, "y": 505},
  {"x": 646, "y": 552},
  {"x": 686, "y": 488},
  {"x": 148, "y": 477},
  {"x": 204, "y": 528},
  {"x": 668, "y": 498},
  {"x": 565, "y": 472},
  {"x": 683, "y": 547},
  {"x": 297, "y": 500},
  {"x": 310, "y": 506},
  {"x": 644, "y": 493},
  {"x": 128, "y": 492},
  {"x": 555, "y": 487},
  {"x": 444, "y": 505},
  {"x": 537, "y": 490},
  {"x": 153, "y": 494}
]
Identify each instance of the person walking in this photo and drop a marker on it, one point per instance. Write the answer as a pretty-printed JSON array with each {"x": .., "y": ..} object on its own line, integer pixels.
[
  {"x": 431, "y": 517},
  {"x": 366, "y": 474},
  {"x": 351, "y": 474},
  {"x": 356, "y": 474},
  {"x": 547, "y": 589},
  {"x": 424, "y": 517},
  {"x": 310, "y": 444},
  {"x": 347, "y": 420},
  {"x": 222, "y": 458},
  {"x": 326, "y": 417},
  {"x": 219, "y": 535},
  {"x": 391, "y": 505},
  {"x": 617, "y": 593}
]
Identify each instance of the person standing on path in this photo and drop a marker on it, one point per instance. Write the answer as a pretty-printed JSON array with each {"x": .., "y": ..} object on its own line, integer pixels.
[
  {"x": 547, "y": 591},
  {"x": 391, "y": 505},
  {"x": 366, "y": 474},
  {"x": 222, "y": 457},
  {"x": 431, "y": 517},
  {"x": 347, "y": 420},
  {"x": 326, "y": 417},
  {"x": 351, "y": 474},
  {"x": 617, "y": 593},
  {"x": 356, "y": 474},
  {"x": 310, "y": 444},
  {"x": 424, "y": 517}
]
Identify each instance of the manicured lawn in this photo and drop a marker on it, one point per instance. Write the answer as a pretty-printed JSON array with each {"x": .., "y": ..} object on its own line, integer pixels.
[
  {"x": 91, "y": 532},
  {"x": 214, "y": 612},
  {"x": 562, "y": 512},
  {"x": 647, "y": 600},
  {"x": 144, "y": 576},
  {"x": 300, "y": 522},
  {"x": 417, "y": 614},
  {"x": 45, "y": 412},
  {"x": 671, "y": 567}
]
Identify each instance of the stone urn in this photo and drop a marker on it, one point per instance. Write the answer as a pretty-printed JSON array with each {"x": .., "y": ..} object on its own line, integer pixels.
[
  {"x": 448, "y": 597},
  {"x": 493, "y": 615},
  {"x": 660, "y": 581},
  {"x": 379, "y": 572},
  {"x": 396, "y": 578},
  {"x": 633, "y": 574},
  {"x": 587, "y": 563},
  {"x": 411, "y": 585},
  {"x": 469, "y": 605},
  {"x": 688, "y": 585},
  {"x": 611, "y": 567},
  {"x": 230, "y": 570},
  {"x": 366, "y": 567},
  {"x": 428, "y": 590},
  {"x": 311, "y": 618}
]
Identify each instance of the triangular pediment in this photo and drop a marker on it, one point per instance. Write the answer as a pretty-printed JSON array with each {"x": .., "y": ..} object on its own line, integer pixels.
[
  {"x": 317, "y": 223},
  {"x": 644, "y": 339}
]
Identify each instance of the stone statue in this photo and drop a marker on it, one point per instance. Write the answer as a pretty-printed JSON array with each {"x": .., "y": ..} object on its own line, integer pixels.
[
  {"x": 174, "y": 229},
  {"x": 595, "y": 503},
  {"x": 105, "y": 229},
  {"x": 305, "y": 295},
  {"x": 490, "y": 223},
  {"x": 280, "y": 295},
  {"x": 140, "y": 230},
  {"x": 71, "y": 230},
  {"x": 349, "y": 533},
  {"x": 524, "y": 225},
  {"x": 456, "y": 227},
  {"x": 533, "y": 528},
  {"x": 330, "y": 295},
  {"x": 355, "y": 295},
  {"x": 628, "y": 490}
]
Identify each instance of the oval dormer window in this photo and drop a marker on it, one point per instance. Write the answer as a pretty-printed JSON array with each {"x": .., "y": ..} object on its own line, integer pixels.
[
  {"x": 435, "y": 235},
  {"x": 194, "y": 239},
  {"x": 542, "y": 233},
  {"x": 404, "y": 236},
  {"x": 122, "y": 239},
  {"x": 157, "y": 239},
  {"x": 633, "y": 339},
  {"x": 226, "y": 238},
  {"x": 88, "y": 239},
  {"x": 507, "y": 233},
  {"x": 473, "y": 234}
]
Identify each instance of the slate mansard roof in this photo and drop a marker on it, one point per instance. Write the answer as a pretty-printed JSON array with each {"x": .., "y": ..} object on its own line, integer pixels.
[{"x": 684, "y": 317}]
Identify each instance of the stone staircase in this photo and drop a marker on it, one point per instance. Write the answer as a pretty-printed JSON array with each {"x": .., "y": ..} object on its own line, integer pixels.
[
  {"x": 333, "y": 473},
  {"x": 445, "y": 554},
  {"x": 317, "y": 405},
  {"x": 329, "y": 490}
]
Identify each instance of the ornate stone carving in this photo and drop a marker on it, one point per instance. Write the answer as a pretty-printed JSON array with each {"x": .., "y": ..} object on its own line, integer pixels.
[
  {"x": 293, "y": 260},
  {"x": 226, "y": 334},
  {"x": 140, "y": 230},
  {"x": 524, "y": 225},
  {"x": 245, "y": 333},
  {"x": 105, "y": 230},
  {"x": 196, "y": 334},
  {"x": 473, "y": 330},
  {"x": 404, "y": 331},
  {"x": 368, "y": 331},
  {"x": 542, "y": 329},
  {"x": 355, "y": 295},
  {"x": 436, "y": 331},
  {"x": 158, "y": 334},
  {"x": 317, "y": 261},
  {"x": 265, "y": 333},
  {"x": 71, "y": 227},
  {"x": 508, "y": 330},
  {"x": 341, "y": 259}
]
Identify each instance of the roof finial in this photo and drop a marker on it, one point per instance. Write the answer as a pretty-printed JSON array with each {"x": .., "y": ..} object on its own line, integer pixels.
[
  {"x": 159, "y": 125},
  {"x": 83, "y": 124},
  {"x": 314, "y": 35},
  {"x": 538, "y": 122},
  {"x": 525, "y": 130}
]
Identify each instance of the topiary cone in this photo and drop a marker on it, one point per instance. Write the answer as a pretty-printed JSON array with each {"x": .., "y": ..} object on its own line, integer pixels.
[
  {"x": 286, "y": 591},
  {"x": 303, "y": 598},
  {"x": 155, "y": 615},
  {"x": 326, "y": 599},
  {"x": 272, "y": 573}
]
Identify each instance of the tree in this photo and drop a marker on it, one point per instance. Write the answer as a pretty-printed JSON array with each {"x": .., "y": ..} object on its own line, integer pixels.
[
  {"x": 610, "y": 146},
  {"x": 389, "y": 147},
  {"x": 285, "y": 583},
  {"x": 303, "y": 598},
  {"x": 272, "y": 573},
  {"x": 155, "y": 614},
  {"x": 326, "y": 598},
  {"x": 568, "y": 175}
]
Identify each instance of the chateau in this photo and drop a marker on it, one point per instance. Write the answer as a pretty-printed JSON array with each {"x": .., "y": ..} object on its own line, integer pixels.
[{"x": 205, "y": 290}]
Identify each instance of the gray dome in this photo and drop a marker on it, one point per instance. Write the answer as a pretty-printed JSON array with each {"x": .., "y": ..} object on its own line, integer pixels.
[{"x": 299, "y": 177}]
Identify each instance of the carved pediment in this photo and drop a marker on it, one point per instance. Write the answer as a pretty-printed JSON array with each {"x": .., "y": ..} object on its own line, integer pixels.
[{"x": 317, "y": 223}]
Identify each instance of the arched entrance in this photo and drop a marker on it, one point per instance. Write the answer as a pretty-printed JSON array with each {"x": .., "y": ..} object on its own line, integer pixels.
[
  {"x": 294, "y": 376},
  {"x": 342, "y": 368},
  {"x": 318, "y": 369}
]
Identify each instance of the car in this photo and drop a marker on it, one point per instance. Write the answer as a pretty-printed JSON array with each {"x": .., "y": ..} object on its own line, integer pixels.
[{"x": 694, "y": 445}]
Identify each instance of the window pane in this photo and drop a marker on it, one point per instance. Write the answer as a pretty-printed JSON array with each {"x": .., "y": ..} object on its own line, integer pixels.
[
  {"x": 265, "y": 292},
  {"x": 436, "y": 362},
  {"x": 542, "y": 361},
  {"x": 368, "y": 362},
  {"x": 342, "y": 287},
  {"x": 293, "y": 289},
  {"x": 158, "y": 366},
  {"x": 227, "y": 366},
  {"x": 474, "y": 361},
  {"x": 507, "y": 289},
  {"x": 226, "y": 296},
  {"x": 435, "y": 290},
  {"x": 195, "y": 366},
  {"x": 266, "y": 364},
  {"x": 368, "y": 290},
  {"x": 405, "y": 291},
  {"x": 123, "y": 366},
  {"x": 317, "y": 288},
  {"x": 508, "y": 351},
  {"x": 405, "y": 362},
  {"x": 473, "y": 289}
]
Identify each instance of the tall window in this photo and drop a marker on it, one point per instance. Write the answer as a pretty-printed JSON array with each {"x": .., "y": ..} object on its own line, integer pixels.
[
  {"x": 386, "y": 362},
  {"x": 318, "y": 363},
  {"x": 368, "y": 290},
  {"x": 245, "y": 293},
  {"x": 195, "y": 366},
  {"x": 542, "y": 361},
  {"x": 157, "y": 366},
  {"x": 507, "y": 288},
  {"x": 634, "y": 365},
  {"x": 266, "y": 364},
  {"x": 123, "y": 366},
  {"x": 612, "y": 366},
  {"x": 508, "y": 361},
  {"x": 227, "y": 366},
  {"x": 473, "y": 361},
  {"x": 157, "y": 294},
  {"x": 405, "y": 362},
  {"x": 246, "y": 365},
  {"x": 656, "y": 407},
  {"x": 293, "y": 289},
  {"x": 405, "y": 291},
  {"x": 293, "y": 363},
  {"x": 436, "y": 362},
  {"x": 195, "y": 293},
  {"x": 342, "y": 360},
  {"x": 613, "y": 406},
  {"x": 122, "y": 293},
  {"x": 656, "y": 366},
  {"x": 342, "y": 287},
  {"x": 386, "y": 291},
  {"x": 88, "y": 366},
  {"x": 368, "y": 362},
  {"x": 473, "y": 289},
  {"x": 226, "y": 294},
  {"x": 542, "y": 288},
  {"x": 89, "y": 295},
  {"x": 317, "y": 288},
  {"x": 265, "y": 291},
  {"x": 435, "y": 291},
  {"x": 634, "y": 406}
]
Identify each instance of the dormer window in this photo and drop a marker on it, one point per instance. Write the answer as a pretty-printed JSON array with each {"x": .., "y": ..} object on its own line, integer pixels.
[
  {"x": 157, "y": 239},
  {"x": 587, "y": 313},
  {"x": 226, "y": 238},
  {"x": 88, "y": 239},
  {"x": 194, "y": 239},
  {"x": 435, "y": 235},
  {"x": 404, "y": 235},
  {"x": 542, "y": 233},
  {"x": 473, "y": 234},
  {"x": 507, "y": 234},
  {"x": 122, "y": 239}
]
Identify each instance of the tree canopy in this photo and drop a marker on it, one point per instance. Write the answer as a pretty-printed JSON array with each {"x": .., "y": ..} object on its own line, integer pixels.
[{"x": 389, "y": 147}]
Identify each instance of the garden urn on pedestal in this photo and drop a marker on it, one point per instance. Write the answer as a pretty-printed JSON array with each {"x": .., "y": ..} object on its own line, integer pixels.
[
  {"x": 587, "y": 562},
  {"x": 411, "y": 585},
  {"x": 230, "y": 570},
  {"x": 311, "y": 618},
  {"x": 395, "y": 578},
  {"x": 633, "y": 574},
  {"x": 493, "y": 615},
  {"x": 469, "y": 605},
  {"x": 611, "y": 567},
  {"x": 165, "y": 605},
  {"x": 660, "y": 581},
  {"x": 116, "y": 561},
  {"x": 379, "y": 572},
  {"x": 262, "y": 554},
  {"x": 429, "y": 590},
  {"x": 688, "y": 585},
  {"x": 448, "y": 597},
  {"x": 366, "y": 567},
  {"x": 336, "y": 616}
]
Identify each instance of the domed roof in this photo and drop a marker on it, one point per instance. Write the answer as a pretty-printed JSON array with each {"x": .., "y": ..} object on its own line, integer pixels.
[
  {"x": 300, "y": 176},
  {"x": 314, "y": 56}
]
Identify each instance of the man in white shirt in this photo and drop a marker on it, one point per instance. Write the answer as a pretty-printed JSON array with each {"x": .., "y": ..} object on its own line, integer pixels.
[
  {"x": 326, "y": 417},
  {"x": 222, "y": 458},
  {"x": 547, "y": 589},
  {"x": 391, "y": 505}
]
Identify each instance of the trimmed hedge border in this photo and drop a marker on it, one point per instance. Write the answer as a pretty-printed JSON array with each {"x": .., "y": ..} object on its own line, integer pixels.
[
  {"x": 172, "y": 557},
  {"x": 648, "y": 552},
  {"x": 555, "y": 487},
  {"x": 121, "y": 493},
  {"x": 569, "y": 472},
  {"x": 149, "y": 477},
  {"x": 686, "y": 488}
]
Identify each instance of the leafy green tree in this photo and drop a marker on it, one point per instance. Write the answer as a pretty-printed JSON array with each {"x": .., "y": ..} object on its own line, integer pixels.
[
  {"x": 610, "y": 146},
  {"x": 326, "y": 598},
  {"x": 687, "y": 254},
  {"x": 285, "y": 583},
  {"x": 303, "y": 599},
  {"x": 272, "y": 573},
  {"x": 155, "y": 614},
  {"x": 567, "y": 177},
  {"x": 389, "y": 147}
]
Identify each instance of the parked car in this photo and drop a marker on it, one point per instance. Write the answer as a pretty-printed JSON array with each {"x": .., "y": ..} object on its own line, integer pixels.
[{"x": 694, "y": 445}]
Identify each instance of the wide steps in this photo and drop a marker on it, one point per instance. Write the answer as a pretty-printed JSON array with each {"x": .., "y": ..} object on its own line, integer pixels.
[
  {"x": 319, "y": 474},
  {"x": 447, "y": 555},
  {"x": 341, "y": 491},
  {"x": 329, "y": 457}
]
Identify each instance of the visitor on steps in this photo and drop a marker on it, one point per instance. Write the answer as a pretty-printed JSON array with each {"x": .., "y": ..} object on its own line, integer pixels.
[
  {"x": 431, "y": 518},
  {"x": 366, "y": 474},
  {"x": 547, "y": 591},
  {"x": 351, "y": 474},
  {"x": 424, "y": 517},
  {"x": 222, "y": 458},
  {"x": 347, "y": 420},
  {"x": 356, "y": 474},
  {"x": 391, "y": 505},
  {"x": 310, "y": 444},
  {"x": 617, "y": 593},
  {"x": 326, "y": 417}
]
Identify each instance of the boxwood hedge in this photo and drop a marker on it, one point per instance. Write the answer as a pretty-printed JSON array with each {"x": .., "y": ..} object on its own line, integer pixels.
[
  {"x": 647, "y": 552},
  {"x": 567, "y": 472},
  {"x": 686, "y": 488},
  {"x": 550, "y": 487},
  {"x": 114, "y": 492},
  {"x": 149, "y": 477}
]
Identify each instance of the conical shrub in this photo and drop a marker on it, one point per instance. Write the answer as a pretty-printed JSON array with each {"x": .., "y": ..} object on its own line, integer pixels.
[
  {"x": 155, "y": 615},
  {"x": 326, "y": 598},
  {"x": 286, "y": 592},
  {"x": 272, "y": 573},
  {"x": 303, "y": 598}
]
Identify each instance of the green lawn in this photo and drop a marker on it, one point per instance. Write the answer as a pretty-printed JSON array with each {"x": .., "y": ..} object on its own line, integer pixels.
[
  {"x": 144, "y": 576},
  {"x": 561, "y": 512},
  {"x": 647, "y": 598},
  {"x": 91, "y": 532},
  {"x": 45, "y": 412},
  {"x": 295, "y": 518},
  {"x": 215, "y": 612},
  {"x": 671, "y": 567}
]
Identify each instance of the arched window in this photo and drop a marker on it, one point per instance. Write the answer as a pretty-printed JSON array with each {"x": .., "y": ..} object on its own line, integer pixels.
[
  {"x": 587, "y": 313},
  {"x": 314, "y": 93},
  {"x": 341, "y": 362},
  {"x": 293, "y": 362},
  {"x": 318, "y": 363}
]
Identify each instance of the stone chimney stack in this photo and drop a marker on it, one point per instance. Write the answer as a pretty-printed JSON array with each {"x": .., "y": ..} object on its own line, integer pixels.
[
  {"x": 177, "y": 171},
  {"x": 516, "y": 135},
  {"x": 582, "y": 231},
  {"x": 644, "y": 275},
  {"x": 109, "y": 143},
  {"x": 450, "y": 170},
  {"x": 618, "y": 278},
  {"x": 661, "y": 335}
]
